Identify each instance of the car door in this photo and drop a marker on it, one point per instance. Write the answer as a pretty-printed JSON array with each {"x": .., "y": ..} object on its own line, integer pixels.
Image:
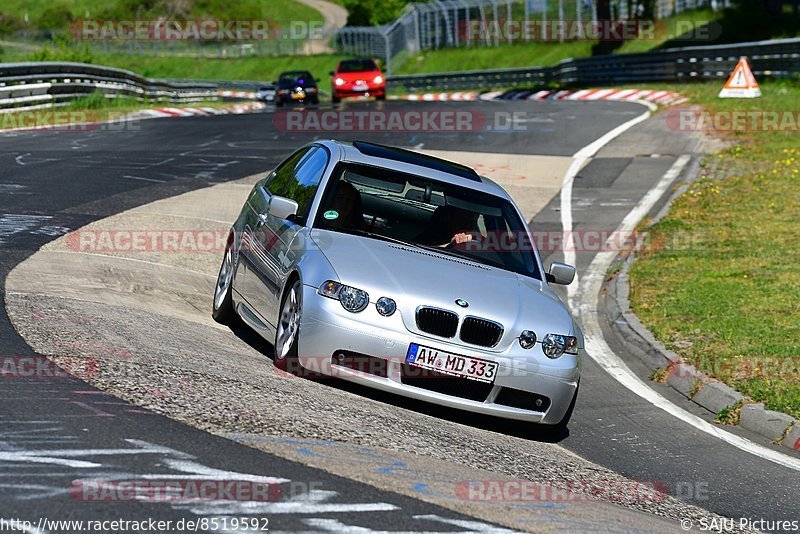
[{"x": 297, "y": 180}]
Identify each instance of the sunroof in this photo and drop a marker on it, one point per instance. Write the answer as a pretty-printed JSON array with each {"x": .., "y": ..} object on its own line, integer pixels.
[{"x": 407, "y": 156}]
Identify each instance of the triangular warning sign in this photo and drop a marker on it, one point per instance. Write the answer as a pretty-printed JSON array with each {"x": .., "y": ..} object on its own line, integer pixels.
[{"x": 742, "y": 83}]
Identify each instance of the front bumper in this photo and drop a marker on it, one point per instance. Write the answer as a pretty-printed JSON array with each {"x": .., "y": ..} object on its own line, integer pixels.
[
  {"x": 327, "y": 329},
  {"x": 349, "y": 91}
]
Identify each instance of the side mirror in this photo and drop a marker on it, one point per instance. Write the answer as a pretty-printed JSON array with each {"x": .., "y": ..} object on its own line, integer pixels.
[
  {"x": 560, "y": 273},
  {"x": 282, "y": 207}
]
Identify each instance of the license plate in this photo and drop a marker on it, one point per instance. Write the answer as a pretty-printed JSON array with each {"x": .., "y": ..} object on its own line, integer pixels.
[
  {"x": 360, "y": 88},
  {"x": 298, "y": 95},
  {"x": 451, "y": 364}
]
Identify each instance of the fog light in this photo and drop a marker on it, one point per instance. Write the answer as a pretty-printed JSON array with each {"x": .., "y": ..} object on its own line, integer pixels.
[
  {"x": 386, "y": 306},
  {"x": 527, "y": 339}
]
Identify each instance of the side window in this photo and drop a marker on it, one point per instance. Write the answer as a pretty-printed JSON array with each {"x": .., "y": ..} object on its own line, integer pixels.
[
  {"x": 303, "y": 188},
  {"x": 284, "y": 173}
]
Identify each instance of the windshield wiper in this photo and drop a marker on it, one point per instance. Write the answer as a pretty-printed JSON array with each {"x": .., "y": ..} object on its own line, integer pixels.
[
  {"x": 431, "y": 248},
  {"x": 364, "y": 233}
]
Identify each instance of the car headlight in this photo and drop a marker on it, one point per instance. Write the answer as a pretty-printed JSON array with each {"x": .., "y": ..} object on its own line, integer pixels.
[
  {"x": 378, "y": 79},
  {"x": 554, "y": 345},
  {"x": 527, "y": 339},
  {"x": 339, "y": 81},
  {"x": 386, "y": 306},
  {"x": 352, "y": 299}
]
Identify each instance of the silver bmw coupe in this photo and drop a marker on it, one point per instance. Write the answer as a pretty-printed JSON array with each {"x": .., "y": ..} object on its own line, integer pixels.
[{"x": 406, "y": 273}]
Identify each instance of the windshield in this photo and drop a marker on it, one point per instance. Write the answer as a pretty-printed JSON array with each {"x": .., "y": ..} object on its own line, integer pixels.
[
  {"x": 357, "y": 65},
  {"x": 383, "y": 204},
  {"x": 296, "y": 78}
]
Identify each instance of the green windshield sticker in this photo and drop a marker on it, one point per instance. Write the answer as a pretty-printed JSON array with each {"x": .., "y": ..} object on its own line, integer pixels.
[{"x": 331, "y": 214}]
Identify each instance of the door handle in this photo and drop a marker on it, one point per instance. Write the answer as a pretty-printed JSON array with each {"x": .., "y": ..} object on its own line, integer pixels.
[{"x": 262, "y": 218}]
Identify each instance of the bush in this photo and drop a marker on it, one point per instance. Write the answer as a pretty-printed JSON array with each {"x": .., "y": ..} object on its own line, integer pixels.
[
  {"x": 64, "y": 48},
  {"x": 369, "y": 12},
  {"x": 55, "y": 17}
]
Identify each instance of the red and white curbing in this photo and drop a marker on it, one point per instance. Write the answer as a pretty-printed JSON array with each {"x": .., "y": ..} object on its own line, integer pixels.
[
  {"x": 643, "y": 96},
  {"x": 438, "y": 97},
  {"x": 202, "y": 111},
  {"x": 647, "y": 96}
]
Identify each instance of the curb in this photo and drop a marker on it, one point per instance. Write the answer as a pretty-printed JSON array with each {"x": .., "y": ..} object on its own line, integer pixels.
[
  {"x": 696, "y": 386},
  {"x": 201, "y": 111},
  {"x": 437, "y": 97},
  {"x": 144, "y": 114},
  {"x": 643, "y": 96}
]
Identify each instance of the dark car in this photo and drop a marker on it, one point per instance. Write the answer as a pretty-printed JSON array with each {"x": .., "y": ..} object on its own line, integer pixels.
[{"x": 297, "y": 86}]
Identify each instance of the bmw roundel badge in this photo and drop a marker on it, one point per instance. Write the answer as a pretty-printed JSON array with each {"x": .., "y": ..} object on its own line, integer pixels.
[{"x": 463, "y": 303}]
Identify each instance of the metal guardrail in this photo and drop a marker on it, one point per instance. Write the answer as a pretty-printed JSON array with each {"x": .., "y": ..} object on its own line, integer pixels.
[
  {"x": 768, "y": 59},
  {"x": 25, "y": 86}
]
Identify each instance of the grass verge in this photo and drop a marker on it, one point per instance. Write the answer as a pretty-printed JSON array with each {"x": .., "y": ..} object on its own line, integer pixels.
[
  {"x": 93, "y": 108},
  {"x": 725, "y": 292}
]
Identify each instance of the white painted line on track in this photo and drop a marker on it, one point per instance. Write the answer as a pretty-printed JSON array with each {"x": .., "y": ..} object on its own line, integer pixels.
[
  {"x": 579, "y": 160},
  {"x": 144, "y": 179},
  {"x": 587, "y": 302}
]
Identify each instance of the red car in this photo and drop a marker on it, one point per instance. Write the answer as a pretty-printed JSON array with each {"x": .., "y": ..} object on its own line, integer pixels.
[{"x": 357, "y": 77}]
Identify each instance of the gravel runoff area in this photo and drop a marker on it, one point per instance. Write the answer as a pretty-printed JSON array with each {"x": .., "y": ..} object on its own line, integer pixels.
[{"x": 186, "y": 367}]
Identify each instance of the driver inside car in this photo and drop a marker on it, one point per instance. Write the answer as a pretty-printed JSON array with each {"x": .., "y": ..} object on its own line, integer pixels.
[
  {"x": 450, "y": 226},
  {"x": 345, "y": 211}
]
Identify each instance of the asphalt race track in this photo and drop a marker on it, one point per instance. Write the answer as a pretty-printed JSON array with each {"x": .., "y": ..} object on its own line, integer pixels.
[{"x": 55, "y": 431}]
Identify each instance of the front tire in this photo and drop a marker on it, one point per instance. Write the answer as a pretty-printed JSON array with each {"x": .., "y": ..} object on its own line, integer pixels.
[
  {"x": 287, "y": 334},
  {"x": 562, "y": 425},
  {"x": 222, "y": 310}
]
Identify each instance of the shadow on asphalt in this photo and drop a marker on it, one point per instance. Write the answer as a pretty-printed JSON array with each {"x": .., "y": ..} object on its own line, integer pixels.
[{"x": 518, "y": 429}]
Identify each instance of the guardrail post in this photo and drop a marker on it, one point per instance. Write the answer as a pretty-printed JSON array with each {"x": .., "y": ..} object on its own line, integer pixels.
[{"x": 388, "y": 54}]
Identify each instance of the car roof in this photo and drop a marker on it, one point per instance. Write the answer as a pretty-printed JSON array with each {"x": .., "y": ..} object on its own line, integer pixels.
[{"x": 413, "y": 163}]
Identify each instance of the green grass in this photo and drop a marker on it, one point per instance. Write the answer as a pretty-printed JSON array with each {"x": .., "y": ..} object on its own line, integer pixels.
[
  {"x": 669, "y": 29},
  {"x": 725, "y": 294},
  {"x": 57, "y": 15},
  {"x": 91, "y": 108},
  {"x": 251, "y": 68},
  {"x": 511, "y": 55},
  {"x": 544, "y": 53}
]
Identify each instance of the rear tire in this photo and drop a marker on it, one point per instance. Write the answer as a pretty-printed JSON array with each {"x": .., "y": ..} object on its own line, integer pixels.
[
  {"x": 222, "y": 308},
  {"x": 287, "y": 333}
]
